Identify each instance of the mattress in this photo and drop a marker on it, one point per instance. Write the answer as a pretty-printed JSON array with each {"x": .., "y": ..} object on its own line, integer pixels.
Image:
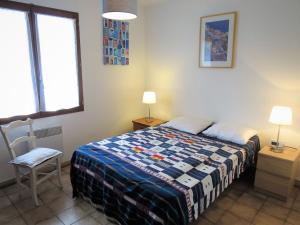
[{"x": 157, "y": 175}]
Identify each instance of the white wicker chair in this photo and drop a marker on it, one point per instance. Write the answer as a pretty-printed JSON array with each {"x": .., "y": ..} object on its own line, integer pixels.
[{"x": 29, "y": 165}]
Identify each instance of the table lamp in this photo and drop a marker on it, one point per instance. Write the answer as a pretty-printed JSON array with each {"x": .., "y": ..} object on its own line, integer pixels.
[
  {"x": 149, "y": 98},
  {"x": 280, "y": 115}
]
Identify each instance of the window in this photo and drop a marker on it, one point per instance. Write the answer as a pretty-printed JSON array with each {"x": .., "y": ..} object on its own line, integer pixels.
[
  {"x": 17, "y": 94},
  {"x": 40, "y": 65}
]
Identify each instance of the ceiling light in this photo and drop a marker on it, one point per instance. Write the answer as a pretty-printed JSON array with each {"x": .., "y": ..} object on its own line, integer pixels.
[{"x": 120, "y": 9}]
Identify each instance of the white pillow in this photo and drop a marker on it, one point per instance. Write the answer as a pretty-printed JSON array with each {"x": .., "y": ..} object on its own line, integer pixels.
[
  {"x": 229, "y": 132},
  {"x": 188, "y": 124}
]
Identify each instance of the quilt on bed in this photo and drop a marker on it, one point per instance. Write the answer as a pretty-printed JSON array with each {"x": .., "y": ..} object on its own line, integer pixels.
[{"x": 157, "y": 175}]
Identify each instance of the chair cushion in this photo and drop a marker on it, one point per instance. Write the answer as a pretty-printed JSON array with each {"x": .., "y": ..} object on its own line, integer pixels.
[{"x": 35, "y": 157}]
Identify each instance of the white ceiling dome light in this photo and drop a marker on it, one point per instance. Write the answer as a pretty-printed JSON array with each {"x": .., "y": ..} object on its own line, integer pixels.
[{"x": 120, "y": 9}]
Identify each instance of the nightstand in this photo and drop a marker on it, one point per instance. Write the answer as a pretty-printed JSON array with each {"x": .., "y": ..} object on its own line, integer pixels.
[
  {"x": 275, "y": 173},
  {"x": 143, "y": 123}
]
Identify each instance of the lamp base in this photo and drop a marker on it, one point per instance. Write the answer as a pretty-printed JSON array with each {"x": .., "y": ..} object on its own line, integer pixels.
[{"x": 277, "y": 149}]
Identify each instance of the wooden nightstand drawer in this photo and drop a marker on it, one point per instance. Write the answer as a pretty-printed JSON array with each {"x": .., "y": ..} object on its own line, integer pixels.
[
  {"x": 275, "y": 166},
  {"x": 272, "y": 183},
  {"x": 275, "y": 174},
  {"x": 137, "y": 126},
  {"x": 143, "y": 123}
]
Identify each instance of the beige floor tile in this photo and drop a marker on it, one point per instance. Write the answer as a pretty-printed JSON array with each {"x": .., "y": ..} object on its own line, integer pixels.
[
  {"x": 213, "y": 213},
  {"x": 66, "y": 186},
  {"x": 19, "y": 196},
  {"x": 38, "y": 215},
  {"x": 241, "y": 202},
  {"x": 66, "y": 170},
  {"x": 203, "y": 221},
  {"x": 243, "y": 211},
  {"x": 294, "y": 218},
  {"x": 265, "y": 219},
  {"x": 4, "y": 202},
  {"x": 287, "y": 204},
  {"x": 7, "y": 214},
  {"x": 51, "y": 221},
  {"x": 113, "y": 222},
  {"x": 68, "y": 191},
  {"x": 297, "y": 190},
  {"x": 11, "y": 189},
  {"x": 85, "y": 206},
  {"x": 23, "y": 201},
  {"x": 234, "y": 194},
  {"x": 224, "y": 202},
  {"x": 60, "y": 204},
  {"x": 1, "y": 193},
  {"x": 251, "y": 201},
  {"x": 225, "y": 192},
  {"x": 239, "y": 185},
  {"x": 71, "y": 215},
  {"x": 257, "y": 194},
  {"x": 45, "y": 186},
  {"x": 296, "y": 205},
  {"x": 99, "y": 217},
  {"x": 88, "y": 221},
  {"x": 231, "y": 219},
  {"x": 23, "y": 206},
  {"x": 65, "y": 179},
  {"x": 16, "y": 221},
  {"x": 52, "y": 195},
  {"x": 275, "y": 210}
]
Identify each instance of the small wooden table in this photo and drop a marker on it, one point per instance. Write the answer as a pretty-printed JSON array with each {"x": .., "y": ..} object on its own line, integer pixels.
[
  {"x": 275, "y": 174},
  {"x": 143, "y": 123}
]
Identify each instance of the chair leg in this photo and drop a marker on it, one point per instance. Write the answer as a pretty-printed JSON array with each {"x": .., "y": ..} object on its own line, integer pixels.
[
  {"x": 58, "y": 168},
  {"x": 33, "y": 180},
  {"x": 18, "y": 179}
]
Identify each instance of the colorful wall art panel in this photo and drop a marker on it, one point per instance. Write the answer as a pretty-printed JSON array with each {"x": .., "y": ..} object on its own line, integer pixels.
[{"x": 115, "y": 42}]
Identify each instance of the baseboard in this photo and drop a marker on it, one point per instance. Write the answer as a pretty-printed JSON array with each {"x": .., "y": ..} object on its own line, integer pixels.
[
  {"x": 13, "y": 180},
  {"x": 7, "y": 183}
]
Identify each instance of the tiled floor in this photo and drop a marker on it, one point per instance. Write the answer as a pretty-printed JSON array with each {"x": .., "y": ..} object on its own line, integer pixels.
[{"x": 238, "y": 205}]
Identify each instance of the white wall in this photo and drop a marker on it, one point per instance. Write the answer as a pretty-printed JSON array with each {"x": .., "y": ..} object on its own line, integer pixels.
[
  {"x": 165, "y": 43},
  {"x": 267, "y": 70},
  {"x": 112, "y": 94}
]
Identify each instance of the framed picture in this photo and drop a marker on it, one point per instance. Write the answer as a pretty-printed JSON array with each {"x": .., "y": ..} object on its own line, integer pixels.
[
  {"x": 217, "y": 34},
  {"x": 115, "y": 42}
]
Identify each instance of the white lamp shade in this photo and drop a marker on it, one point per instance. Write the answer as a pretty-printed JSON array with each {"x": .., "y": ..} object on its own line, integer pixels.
[
  {"x": 281, "y": 115},
  {"x": 149, "y": 97},
  {"x": 120, "y": 9}
]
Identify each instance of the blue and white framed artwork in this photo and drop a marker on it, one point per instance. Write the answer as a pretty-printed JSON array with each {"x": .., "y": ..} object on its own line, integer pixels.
[{"x": 217, "y": 34}]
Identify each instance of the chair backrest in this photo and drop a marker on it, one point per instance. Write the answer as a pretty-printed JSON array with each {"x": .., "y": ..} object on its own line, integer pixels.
[{"x": 11, "y": 144}]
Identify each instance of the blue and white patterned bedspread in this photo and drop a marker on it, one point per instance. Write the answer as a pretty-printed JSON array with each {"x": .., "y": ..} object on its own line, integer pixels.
[{"x": 157, "y": 175}]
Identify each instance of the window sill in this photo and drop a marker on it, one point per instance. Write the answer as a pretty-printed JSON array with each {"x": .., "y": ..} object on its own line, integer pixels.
[{"x": 42, "y": 115}]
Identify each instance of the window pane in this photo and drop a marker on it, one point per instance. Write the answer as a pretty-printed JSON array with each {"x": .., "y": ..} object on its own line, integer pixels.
[
  {"x": 17, "y": 96},
  {"x": 58, "y": 55}
]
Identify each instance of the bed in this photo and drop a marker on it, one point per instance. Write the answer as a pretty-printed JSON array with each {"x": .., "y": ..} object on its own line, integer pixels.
[{"x": 158, "y": 175}]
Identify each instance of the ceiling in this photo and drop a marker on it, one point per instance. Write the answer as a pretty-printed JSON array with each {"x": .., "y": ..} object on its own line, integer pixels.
[{"x": 151, "y": 2}]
